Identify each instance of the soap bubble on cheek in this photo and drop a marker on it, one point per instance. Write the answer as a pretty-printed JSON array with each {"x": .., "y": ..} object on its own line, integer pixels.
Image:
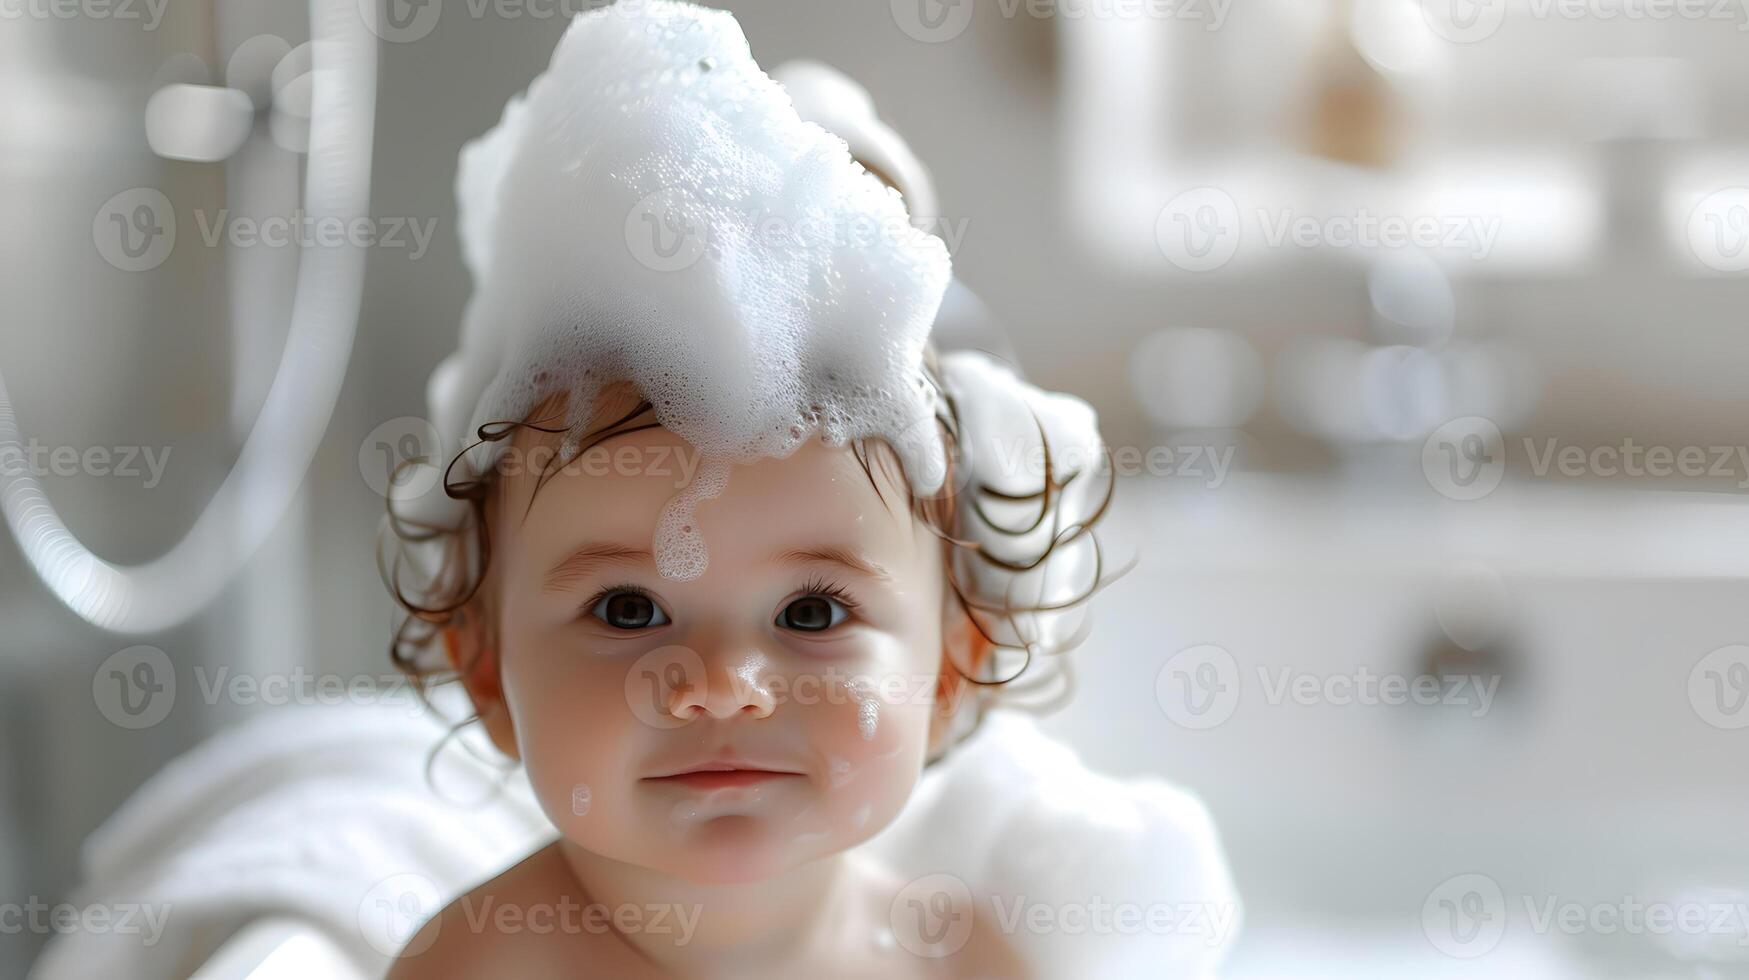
[
  {"x": 868, "y": 707},
  {"x": 863, "y": 776}
]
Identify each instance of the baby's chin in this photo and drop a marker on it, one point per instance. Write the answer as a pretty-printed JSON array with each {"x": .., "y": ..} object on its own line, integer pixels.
[{"x": 741, "y": 849}]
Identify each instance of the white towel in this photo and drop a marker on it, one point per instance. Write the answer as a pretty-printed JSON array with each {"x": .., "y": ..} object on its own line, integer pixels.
[{"x": 325, "y": 815}]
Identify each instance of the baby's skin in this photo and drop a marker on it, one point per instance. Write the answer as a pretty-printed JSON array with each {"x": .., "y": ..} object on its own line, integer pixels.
[{"x": 710, "y": 750}]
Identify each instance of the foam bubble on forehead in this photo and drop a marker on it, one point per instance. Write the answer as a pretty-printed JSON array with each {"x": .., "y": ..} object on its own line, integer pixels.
[{"x": 655, "y": 211}]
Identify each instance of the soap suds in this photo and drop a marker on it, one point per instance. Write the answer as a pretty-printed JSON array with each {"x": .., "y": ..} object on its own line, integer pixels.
[
  {"x": 868, "y": 707},
  {"x": 655, "y": 211},
  {"x": 679, "y": 546}
]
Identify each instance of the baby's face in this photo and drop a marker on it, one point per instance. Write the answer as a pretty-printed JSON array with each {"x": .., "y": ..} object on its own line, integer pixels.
[{"x": 802, "y": 665}]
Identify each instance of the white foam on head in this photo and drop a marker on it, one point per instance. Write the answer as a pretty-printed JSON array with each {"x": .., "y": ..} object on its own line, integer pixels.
[{"x": 655, "y": 211}]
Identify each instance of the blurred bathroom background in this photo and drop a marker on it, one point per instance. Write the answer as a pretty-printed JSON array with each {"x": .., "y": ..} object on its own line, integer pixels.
[{"x": 1418, "y": 326}]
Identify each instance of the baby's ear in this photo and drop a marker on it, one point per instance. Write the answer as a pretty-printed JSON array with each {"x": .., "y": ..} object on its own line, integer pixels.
[{"x": 467, "y": 643}]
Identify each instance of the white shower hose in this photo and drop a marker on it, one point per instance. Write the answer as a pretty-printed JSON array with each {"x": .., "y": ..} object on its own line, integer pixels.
[{"x": 162, "y": 593}]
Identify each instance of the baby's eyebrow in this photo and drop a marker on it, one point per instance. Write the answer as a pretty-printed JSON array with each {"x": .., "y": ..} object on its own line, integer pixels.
[
  {"x": 591, "y": 557},
  {"x": 836, "y": 556}
]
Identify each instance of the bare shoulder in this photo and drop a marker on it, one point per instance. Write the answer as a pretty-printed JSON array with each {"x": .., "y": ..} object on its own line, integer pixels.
[{"x": 513, "y": 925}]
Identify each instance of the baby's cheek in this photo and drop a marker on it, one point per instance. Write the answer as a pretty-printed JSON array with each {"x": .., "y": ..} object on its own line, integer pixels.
[
  {"x": 572, "y": 735},
  {"x": 872, "y": 741}
]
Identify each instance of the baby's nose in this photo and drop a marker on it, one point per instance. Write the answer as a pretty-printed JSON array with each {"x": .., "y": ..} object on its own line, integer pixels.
[{"x": 735, "y": 684}]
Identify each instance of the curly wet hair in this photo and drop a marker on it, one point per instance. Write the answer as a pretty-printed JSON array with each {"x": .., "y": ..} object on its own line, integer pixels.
[{"x": 1030, "y": 676}]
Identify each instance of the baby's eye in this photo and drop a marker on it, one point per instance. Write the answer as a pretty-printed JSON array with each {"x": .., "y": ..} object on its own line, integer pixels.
[
  {"x": 626, "y": 610},
  {"x": 812, "y": 613}
]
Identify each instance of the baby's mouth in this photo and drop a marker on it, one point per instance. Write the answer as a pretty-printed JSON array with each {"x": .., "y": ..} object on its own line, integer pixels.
[{"x": 722, "y": 775}]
